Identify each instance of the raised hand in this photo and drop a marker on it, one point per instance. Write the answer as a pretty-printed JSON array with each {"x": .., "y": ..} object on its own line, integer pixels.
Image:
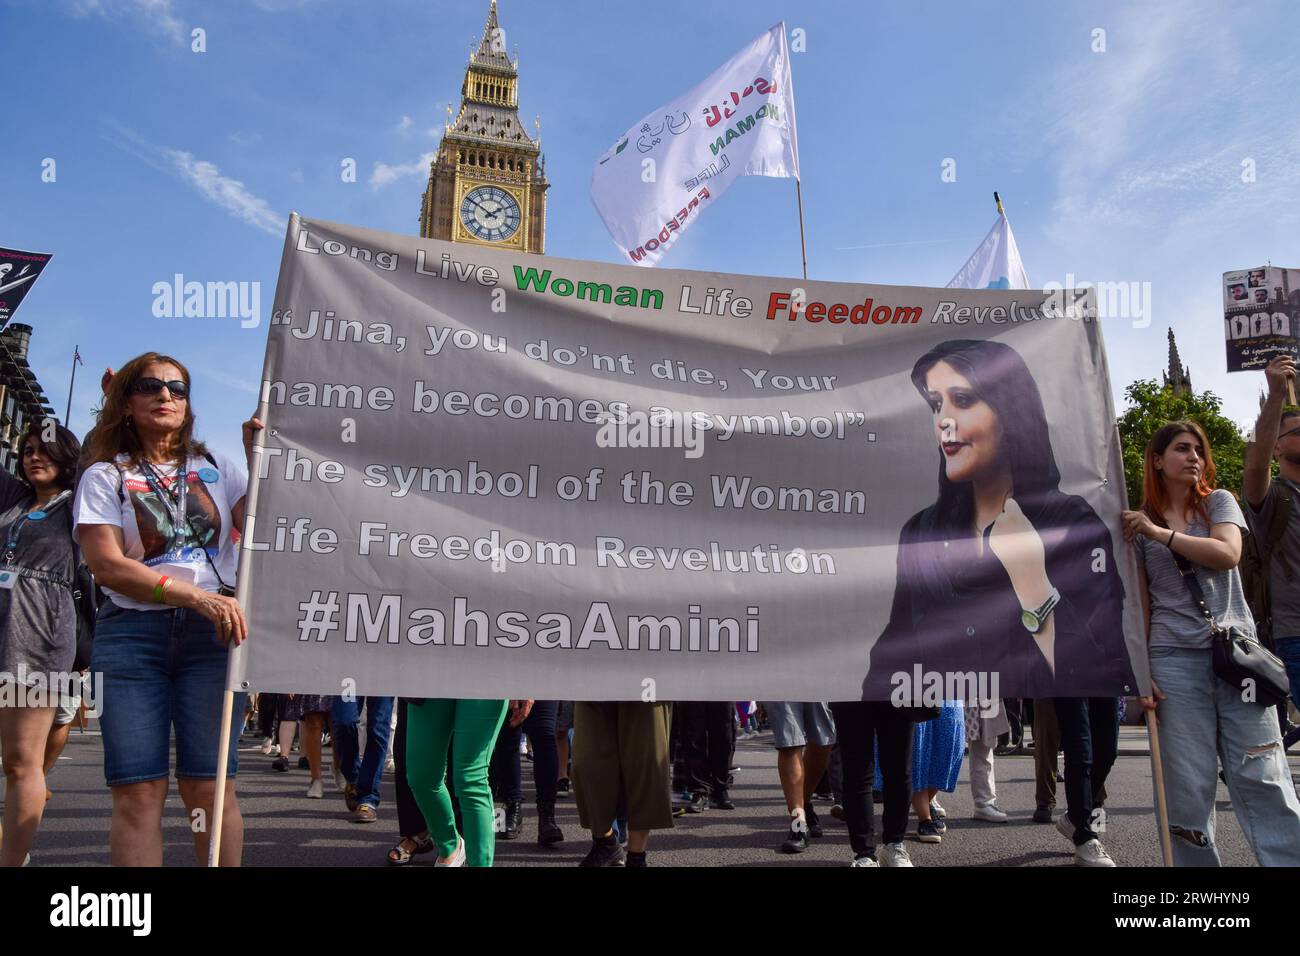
[{"x": 1016, "y": 543}]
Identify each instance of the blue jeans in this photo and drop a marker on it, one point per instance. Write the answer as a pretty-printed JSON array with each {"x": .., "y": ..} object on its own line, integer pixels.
[
  {"x": 1090, "y": 738},
  {"x": 1288, "y": 648},
  {"x": 1201, "y": 718},
  {"x": 161, "y": 669},
  {"x": 364, "y": 771}
]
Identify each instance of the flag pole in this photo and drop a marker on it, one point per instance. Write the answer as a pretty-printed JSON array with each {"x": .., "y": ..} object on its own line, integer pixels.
[
  {"x": 1158, "y": 773},
  {"x": 997, "y": 200},
  {"x": 803, "y": 248},
  {"x": 76, "y": 353}
]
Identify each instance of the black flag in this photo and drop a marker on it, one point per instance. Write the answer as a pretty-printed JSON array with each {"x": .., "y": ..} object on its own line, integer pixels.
[{"x": 18, "y": 272}]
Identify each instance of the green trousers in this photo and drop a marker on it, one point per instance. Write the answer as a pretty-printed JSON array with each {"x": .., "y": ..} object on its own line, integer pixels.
[{"x": 470, "y": 727}]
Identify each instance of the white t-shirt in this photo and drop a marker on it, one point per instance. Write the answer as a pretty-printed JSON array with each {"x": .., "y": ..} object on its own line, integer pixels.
[{"x": 121, "y": 496}]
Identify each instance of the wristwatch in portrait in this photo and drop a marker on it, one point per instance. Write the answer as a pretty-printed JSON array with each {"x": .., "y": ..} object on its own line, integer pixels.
[{"x": 1034, "y": 621}]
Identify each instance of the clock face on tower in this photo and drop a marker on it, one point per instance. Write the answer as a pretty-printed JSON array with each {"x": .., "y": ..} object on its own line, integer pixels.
[{"x": 490, "y": 213}]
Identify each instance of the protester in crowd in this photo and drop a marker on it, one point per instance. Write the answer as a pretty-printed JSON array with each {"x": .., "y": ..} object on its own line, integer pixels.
[
  {"x": 708, "y": 736},
  {"x": 982, "y": 731},
  {"x": 286, "y": 732},
  {"x": 875, "y": 736},
  {"x": 1089, "y": 728},
  {"x": 1047, "y": 743},
  {"x": 415, "y": 839},
  {"x": 563, "y": 728},
  {"x": 65, "y": 714},
  {"x": 1012, "y": 740},
  {"x": 268, "y": 713},
  {"x": 1202, "y": 719},
  {"x": 938, "y": 746},
  {"x": 362, "y": 771},
  {"x": 154, "y": 513},
  {"x": 309, "y": 713},
  {"x": 470, "y": 728},
  {"x": 1000, "y": 573},
  {"x": 38, "y": 620},
  {"x": 803, "y": 734},
  {"x": 506, "y": 772},
  {"x": 1273, "y": 515},
  {"x": 620, "y": 754}
]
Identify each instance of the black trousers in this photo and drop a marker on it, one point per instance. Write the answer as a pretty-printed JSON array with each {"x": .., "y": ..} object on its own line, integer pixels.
[
  {"x": 505, "y": 771},
  {"x": 1090, "y": 739},
  {"x": 707, "y": 741},
  {"x": 859, "y": 725}
]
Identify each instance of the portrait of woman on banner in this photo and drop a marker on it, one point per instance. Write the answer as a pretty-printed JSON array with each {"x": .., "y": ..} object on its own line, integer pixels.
[{"x": 1004, "y": 574}]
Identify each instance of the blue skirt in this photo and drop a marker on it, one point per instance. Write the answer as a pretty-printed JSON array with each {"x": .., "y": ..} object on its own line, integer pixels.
[{"x": 938, "y": 747}]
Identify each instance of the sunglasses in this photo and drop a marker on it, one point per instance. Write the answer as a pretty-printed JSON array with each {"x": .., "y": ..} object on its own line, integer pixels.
[{"x": 152, "y": 386}]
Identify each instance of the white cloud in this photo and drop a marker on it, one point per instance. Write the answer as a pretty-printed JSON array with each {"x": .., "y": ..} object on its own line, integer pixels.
[
  {"x": 158, "y": 15},
  {"x": 383, "y": 174},
  {"x": 225, "y": 192},
  {"x": 404, "y": 124},
  {"x": 226, "y": 379},
  {"x": 296, "y": 175}
]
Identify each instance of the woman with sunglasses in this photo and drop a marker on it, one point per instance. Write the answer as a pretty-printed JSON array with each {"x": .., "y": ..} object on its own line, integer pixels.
[
  {"x": 38, "y": 619},
  {"x": 154, "y": 514}
]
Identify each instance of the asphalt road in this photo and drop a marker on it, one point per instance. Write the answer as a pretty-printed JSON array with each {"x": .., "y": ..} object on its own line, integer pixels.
[{"x": 284, "y": 828}]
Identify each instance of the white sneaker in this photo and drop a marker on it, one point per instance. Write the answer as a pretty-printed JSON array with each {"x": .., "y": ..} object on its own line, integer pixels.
[
  {"x": 457, "y": 858},
  {"x": 1065, "y": 827},
  {"x": 390, "y": 765},
  {"x": 317, "y": 789},
  {"x": 340, "y": 781},
  {"x": 267, "y": 744},
  {"x": 990, "y": 813},
  {"x": 274, "y": 751},
  {"x": 936, "y": 811},
  {"x": 523, "y": 745},
  {"x": 1092, "y": 853},
  {"x": 894, "y": 854},
  {"x": 864, "y": 861}
]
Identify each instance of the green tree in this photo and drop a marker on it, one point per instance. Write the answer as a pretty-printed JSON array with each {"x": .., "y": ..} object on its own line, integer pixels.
[{"x": 1151, "y": 405}]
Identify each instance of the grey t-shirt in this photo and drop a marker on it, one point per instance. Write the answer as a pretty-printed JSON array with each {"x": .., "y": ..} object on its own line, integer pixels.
[
  {"x": 1175, "y": 619},
  {"x": 1283, "y": 590}
]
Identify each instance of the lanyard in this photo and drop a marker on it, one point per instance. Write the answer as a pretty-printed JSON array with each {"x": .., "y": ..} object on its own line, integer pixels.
[
  {"x": 16, "y": 529},
  {"x": 173, "y": 501}
]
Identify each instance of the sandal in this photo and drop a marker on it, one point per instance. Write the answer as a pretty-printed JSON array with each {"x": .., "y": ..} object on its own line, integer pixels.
[{"x": 400, "y": 856}]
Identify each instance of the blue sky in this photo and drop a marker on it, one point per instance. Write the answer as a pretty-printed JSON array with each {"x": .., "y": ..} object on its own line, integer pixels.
[{"x": 1118, "y": 166}]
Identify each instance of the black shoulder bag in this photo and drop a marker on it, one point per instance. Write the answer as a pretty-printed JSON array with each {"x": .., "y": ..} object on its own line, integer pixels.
[{"x": 1239, "y": 660}]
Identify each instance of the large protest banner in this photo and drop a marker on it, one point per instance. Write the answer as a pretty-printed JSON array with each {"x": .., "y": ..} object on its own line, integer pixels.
[
  {"x": 492, "y": 475},
  {"x": 1261, "y": 316}
]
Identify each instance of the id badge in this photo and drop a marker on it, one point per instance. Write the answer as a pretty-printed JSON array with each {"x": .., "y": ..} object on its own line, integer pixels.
[{"x": 8, "y": 578}]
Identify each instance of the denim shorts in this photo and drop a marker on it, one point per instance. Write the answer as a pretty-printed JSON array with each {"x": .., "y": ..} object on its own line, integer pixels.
[
  {"x": 796, "y": 724},
  {"x": 161, "y": 668}
]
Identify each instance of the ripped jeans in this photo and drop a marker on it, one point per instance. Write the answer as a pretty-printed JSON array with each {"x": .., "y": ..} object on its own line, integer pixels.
[{"x": 1203, "y": 717}]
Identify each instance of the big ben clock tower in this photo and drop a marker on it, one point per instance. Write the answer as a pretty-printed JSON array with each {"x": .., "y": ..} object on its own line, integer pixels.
[{"x": 487, "y": 183}]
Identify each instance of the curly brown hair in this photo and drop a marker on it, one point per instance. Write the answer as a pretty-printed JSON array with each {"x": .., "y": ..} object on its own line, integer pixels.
[{"x": 114, "y": 433}]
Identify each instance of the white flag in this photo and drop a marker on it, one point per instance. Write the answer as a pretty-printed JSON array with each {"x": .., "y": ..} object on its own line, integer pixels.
[
  {"x": 995, "y": 264},
  {"x": 668, "y": 168}
]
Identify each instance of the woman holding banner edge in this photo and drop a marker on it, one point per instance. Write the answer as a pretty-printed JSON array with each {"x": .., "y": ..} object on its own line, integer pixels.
[
  {"x": 1201, "y": 719},
  {"x": 1005, "y": 574},
  {"x": 154, "y": 514}
]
